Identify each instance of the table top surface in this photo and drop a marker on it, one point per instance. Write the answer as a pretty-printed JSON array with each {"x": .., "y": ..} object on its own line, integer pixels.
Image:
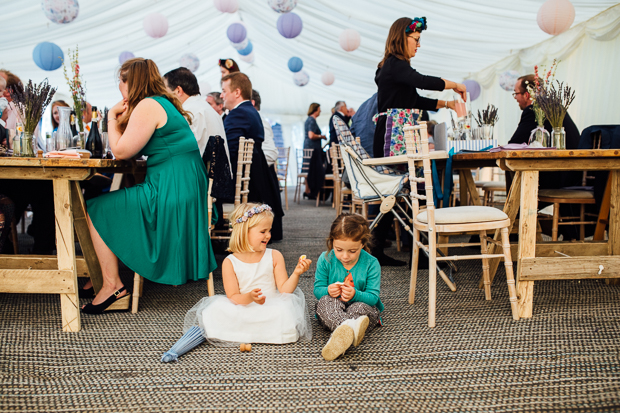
[{"x": 67, "y": 163}]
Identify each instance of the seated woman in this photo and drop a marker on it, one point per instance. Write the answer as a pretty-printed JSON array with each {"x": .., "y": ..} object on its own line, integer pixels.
[{"x": 157, "y": 228}]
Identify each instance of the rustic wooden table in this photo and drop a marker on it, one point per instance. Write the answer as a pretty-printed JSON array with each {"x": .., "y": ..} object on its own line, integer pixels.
[{"x": 58, "y": 274}]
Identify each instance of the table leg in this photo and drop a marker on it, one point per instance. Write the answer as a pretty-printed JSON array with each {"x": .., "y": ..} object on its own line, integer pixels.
[
  {"x": 463, "y": 186},
  {"x": 468, "y": 180},
  {"x": 603, "y": 214},
  {"x": 614, "y": 219},
  {"x": 65, "y": 245},
  {"x": 527, "y": 238},
  {"x": 81, "y": 228}
]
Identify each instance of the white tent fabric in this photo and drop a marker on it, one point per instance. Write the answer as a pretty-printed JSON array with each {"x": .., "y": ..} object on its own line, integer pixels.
[{"x": 465, "y": 39}]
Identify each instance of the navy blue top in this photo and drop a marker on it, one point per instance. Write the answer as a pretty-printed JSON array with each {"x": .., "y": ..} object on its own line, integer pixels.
[
  {"x": 362, "y": 124},
  {"x": 244, "y": 121},
  {"x": 312, "y": 126}
]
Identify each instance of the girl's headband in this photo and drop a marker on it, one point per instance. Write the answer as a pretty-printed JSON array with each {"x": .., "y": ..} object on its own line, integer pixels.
[
  {"x": 254, "y": 211},
  {"x": 227, "y": 63},
  {"x": 418, "y": 23}
]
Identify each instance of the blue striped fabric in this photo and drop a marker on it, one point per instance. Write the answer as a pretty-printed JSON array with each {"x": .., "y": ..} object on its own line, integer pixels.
[{"x": 474, "y": 145}]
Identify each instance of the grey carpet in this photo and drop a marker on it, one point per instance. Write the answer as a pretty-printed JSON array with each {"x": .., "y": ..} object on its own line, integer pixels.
[{"x": 565, "y": 358}]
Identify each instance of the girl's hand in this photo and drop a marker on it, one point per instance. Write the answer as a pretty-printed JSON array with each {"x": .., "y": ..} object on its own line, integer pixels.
[
  {"x": 302, "y": 266},
  {"x": 334, "y": 290},
  {"x": 256, "y": 296},
  {"x": 461, "y": 90},
  {"x": 117, "y": 110},
  {"x": 348, "y": 292}
]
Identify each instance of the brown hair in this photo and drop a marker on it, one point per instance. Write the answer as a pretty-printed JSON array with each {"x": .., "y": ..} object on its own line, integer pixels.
[
  {"x": 349, "y": 226},
  {"x": 54, "y": 104},
  {"x": 527, "y": 78},
  {"x": 144, "y": 80},
  {"x": 12, "y": 80},
  {"x": 396, "y": 43},
  {"x": 313, "y": 108},
  {"x": 240, "y": 81},
  {"x": 229, "y": 65},
  {"x": 239, "y": 237}
]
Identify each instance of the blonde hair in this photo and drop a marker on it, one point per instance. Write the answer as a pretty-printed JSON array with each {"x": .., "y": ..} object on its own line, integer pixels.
[{"x": 239, "y": 237}]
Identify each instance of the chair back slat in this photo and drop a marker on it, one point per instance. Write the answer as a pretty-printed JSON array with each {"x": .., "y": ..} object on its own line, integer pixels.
[{"x": 244, "y": 161}]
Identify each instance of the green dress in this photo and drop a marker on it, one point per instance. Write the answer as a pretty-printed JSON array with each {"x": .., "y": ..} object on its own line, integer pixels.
[{"x": 159, "y": 228}]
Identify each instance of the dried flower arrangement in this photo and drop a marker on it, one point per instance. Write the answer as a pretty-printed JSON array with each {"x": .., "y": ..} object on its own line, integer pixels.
[
  {"x": 31, "y": 101},
  {"x": 554, "y": 102},
  {"x": 75, "y": 86},
  {"x": 488, "y": 116}
]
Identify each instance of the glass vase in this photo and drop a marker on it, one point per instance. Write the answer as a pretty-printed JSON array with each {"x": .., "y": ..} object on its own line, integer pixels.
[
  {"x": 64, "y": 138},
  {"x": 26, "y": 145},
  {"x": 558, "y": 136},
  {"x": 16, "y": 143},
  {"x": 542, "y": 136},
  {"x": 487, "y": 132}
]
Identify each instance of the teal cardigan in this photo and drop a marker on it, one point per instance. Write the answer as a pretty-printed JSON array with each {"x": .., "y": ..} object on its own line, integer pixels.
[{"x": 366, "y": 277}]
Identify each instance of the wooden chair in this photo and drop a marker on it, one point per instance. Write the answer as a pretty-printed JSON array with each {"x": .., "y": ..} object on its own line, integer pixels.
[
  {"x": 342, "y": 195},
  {"x": 491, "y": 187},
  {"x": 303, "y": 163},
  {"x": 328, "y": 183},
  {"x": 244, "y": 160},
  {"x": 282, "y": 170},
  {"x": 558, "y": 197},
  {"x": 451, "y": 220}
]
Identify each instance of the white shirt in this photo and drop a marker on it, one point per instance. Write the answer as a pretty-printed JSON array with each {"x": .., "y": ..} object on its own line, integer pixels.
[
  {"x": 205, "y": 122},
  {"x": 269, "y": 145}
]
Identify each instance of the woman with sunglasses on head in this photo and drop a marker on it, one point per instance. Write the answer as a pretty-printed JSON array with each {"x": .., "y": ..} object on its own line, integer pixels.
[{"x": 397, "y": 82}]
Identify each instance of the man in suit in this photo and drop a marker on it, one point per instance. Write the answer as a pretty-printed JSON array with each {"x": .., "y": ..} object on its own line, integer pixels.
[
  {"x": 342, "y": 112},
  {"x": 243, "y": 120}
]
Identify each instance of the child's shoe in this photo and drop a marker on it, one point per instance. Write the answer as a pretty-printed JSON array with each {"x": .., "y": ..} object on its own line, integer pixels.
[
  {"x": 359, "y": 326},
  {"x": 339, "y": 342}
]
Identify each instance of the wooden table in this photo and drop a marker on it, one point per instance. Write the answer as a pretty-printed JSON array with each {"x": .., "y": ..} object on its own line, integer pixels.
[
  {"x": 58, "y": 274},
  {"x": 538, "y": 261}
]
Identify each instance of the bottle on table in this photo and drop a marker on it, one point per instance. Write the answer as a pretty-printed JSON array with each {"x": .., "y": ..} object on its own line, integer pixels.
[
  {"x": 94, "y": 143},
  {"x": 74, "y": 131}
]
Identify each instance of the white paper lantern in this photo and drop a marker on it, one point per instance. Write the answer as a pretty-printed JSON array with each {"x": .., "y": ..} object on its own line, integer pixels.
[
  {"x": 190, "y": 61},
  {"x": 508, "y": 79},
  {"x": 226, "y": 6},
  {"x": 301, "y": 78},
  {"x": 328, "y": 78},
  {"x": 350, "y": 40},
  {"x": 249, "y": 58},
  {"x": 555, "y": 16},
  {"x": 240, "y": 46},
  {"x": 205, "y": 88},
  {"x": 155, "y": 25},
  {"x": 282, "y": 6},
  {"x": 60, "y": 11}
]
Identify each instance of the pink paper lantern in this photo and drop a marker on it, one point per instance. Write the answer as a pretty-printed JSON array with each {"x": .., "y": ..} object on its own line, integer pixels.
[
  {"x": 155, "y": 25},
  {"x": 555, "y": 16},
  {"x": 328, "y": 78},
  {"x": 350, "y": 40},
  {"x": 226, "y": 6}
]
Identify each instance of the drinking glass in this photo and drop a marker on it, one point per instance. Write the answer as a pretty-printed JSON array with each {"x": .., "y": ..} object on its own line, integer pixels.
[{"x": 460, "y": 107}]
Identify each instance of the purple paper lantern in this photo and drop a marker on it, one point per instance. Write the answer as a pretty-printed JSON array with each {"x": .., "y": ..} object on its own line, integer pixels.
[
  {"x": 125, "y": 56},
  {"x": 60, "y": 11},
  {"x": 155, "y": 25},
  {"x": 473, "y": 88},
  {"x": 289, "y": 25},
  {"x": 236, "y": 32}
]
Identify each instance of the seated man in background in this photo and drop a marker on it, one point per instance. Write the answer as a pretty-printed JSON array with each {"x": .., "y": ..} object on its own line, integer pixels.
[{"x": 217, "y": 103}]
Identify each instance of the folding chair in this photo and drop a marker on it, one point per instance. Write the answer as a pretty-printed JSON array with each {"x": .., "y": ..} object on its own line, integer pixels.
[
  {"x": 282, "y": 170},
  {"x": 303, "y": 163}
]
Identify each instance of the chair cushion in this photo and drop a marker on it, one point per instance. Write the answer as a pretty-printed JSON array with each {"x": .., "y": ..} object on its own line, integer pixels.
[
  {"x": 464, "y": 215},
  {"x": 227, "y": 209},
  {"x": 480, "y": 184},
  {"x": 566, "y": 193},
  {"x": 495, "y": 185}
]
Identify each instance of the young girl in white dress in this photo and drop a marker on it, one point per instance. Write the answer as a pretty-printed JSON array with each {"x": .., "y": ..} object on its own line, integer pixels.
[{"x": 262, "y": 303}]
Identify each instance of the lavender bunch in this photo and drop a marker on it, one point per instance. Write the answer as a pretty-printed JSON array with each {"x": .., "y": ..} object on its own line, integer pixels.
[
  {"x": 488, "y": 116},
  {"x": 31, "y": 102},
  {"x": 555, "y": 102}
]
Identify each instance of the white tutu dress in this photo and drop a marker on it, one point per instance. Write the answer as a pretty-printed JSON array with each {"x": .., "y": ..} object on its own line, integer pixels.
[{"x": 283, "y": 318}]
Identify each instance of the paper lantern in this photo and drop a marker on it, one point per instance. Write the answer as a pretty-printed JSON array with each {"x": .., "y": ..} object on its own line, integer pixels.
[
  {"x": 226, "y": 6},
  {"x": 125, "y": 56},
  {"x": 473, "y": 88},
  {"x": 236, "y": 33},
  {"x": 327, "y": 78},
  {"x": 508, "y": 79},
  {"x": 60, "y": 11},
  {"x": 155, "y": 25},
  {"x": 249, "y": 58},
  {"x": 289, "y": 25},
  {"x": 282, "y": 6},
  {"x": 295, "y": 64},
  {"x": 555, "y": 16},
  {"x": 205, "y": 88},
  {"x": 48, "y": 56},
  {"x": 301, "y": 78},
  {"x": 349, "y": 40},
  {"x": 247, "y": 50},
  {"x": 189, "y": 61},
  {"x": 241, "y": 45}
]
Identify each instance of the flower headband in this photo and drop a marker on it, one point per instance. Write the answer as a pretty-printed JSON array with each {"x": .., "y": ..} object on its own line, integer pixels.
[
  {"x": 228, "y": 63},
  {"x": 419, "y": 23},
  {"x": 254, "y": 211}
]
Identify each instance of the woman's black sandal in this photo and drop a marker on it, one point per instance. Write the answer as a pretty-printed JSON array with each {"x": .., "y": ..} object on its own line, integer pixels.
[{"x": 113, "y": 303}]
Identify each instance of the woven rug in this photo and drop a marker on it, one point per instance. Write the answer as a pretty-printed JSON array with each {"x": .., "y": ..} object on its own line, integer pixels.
[{"x": 564, "y": 358}]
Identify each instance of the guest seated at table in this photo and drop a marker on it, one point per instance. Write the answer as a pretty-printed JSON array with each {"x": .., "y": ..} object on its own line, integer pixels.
[
  {"x": 159, "y": 228},
  {"x": 244, "y": 120},
  {"x": 56, "y": 113},
  {"x": 340, "y": 110},
  {"x": 217, "y": 103},
  {"x": 547, "y": 180}
]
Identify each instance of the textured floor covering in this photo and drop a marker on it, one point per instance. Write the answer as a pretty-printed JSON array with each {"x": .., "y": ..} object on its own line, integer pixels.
[{"x": 565, "y": 358}]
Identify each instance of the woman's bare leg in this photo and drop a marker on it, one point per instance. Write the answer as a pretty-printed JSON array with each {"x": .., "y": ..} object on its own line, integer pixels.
[{"x": 109, "y": 266}]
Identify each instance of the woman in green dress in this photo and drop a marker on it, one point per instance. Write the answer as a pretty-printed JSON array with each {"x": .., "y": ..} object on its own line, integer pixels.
[{"x": 159, "y": 228}]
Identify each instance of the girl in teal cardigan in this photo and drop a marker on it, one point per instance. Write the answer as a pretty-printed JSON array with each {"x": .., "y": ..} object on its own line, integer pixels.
[{"x": 347, "y": 283}]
